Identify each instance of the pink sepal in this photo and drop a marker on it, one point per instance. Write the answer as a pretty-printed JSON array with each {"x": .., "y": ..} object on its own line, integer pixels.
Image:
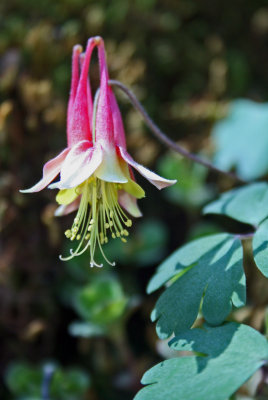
[
  {"x": 67, "y": 209},
  {"x": 81, "y": 162},
  {"x": 50, "y": 171},
  {"x": 151, "y": 176},
  {"x": 79, "y": 126},
  {"x": 89, "y": 94},
  {"x": 129, "y": 203},
  {"x": 77, "y": 49}
]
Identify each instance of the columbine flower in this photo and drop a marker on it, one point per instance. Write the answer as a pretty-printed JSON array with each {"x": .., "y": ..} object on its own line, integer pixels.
[{"x": 95, "y": 170}]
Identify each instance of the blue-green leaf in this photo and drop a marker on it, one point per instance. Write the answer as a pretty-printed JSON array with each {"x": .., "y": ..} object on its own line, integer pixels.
[
  {"x": 260, "y": 248},
  {"x": 210, "y": 268},
  {"x": 231, "y": 354},
  {"x": 183, "y": 257},
  {"x": 241, "y": 139},
  {"x": 248, "y": 204}
]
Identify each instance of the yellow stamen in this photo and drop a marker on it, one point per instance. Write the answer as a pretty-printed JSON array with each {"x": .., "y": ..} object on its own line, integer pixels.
[{"x": 99, "y": 215}]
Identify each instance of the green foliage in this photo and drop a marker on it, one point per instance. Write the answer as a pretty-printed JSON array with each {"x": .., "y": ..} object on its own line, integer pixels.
[
  {"x": 24, "y": 382},
  {"x": 70, "y": 384},
  {"x": 209, "y": 268},
  {"x": 248, "y": 204},
  {"x": 101, "y": 302},
  {"x": 235, "y": 137},
  {"x": 226, "y": 357},
  {"x": 260, "y": 248},
  {"x": 207, "y": 275}
]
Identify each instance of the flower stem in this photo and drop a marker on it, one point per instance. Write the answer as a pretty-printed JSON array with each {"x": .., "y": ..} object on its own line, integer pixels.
[{"x": 164, "y": 138}]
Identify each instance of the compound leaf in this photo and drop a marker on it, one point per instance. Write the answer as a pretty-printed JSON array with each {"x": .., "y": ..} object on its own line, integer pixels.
[
  {"x": 235, "y": 137},
  {"x": 260, "y": 248},
  {"x": 231, "y": 354},
  {"x": 248, "y": 204},
  {"x": 210, "y": 268}
]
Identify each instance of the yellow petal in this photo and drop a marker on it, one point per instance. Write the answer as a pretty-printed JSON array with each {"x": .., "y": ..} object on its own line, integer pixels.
[
  {"x": 134, "y": 189},
  {"x": 67, "y": 196}
]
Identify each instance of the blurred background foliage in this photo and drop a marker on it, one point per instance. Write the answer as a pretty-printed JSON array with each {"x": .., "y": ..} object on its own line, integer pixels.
[{"x": 186, "y": 61}]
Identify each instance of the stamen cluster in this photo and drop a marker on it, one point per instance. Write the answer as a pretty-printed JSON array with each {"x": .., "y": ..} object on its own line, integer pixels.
[{"x": 99, "y": 216}]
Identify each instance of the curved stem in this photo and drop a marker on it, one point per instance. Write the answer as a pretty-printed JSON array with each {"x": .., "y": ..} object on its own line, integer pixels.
[{"x": 165, "y": 139}]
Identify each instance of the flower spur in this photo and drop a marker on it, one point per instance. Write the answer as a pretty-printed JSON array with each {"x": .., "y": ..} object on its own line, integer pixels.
[
  {"x": 78, "y": 116},
  {"x": 95, "y": 170}
]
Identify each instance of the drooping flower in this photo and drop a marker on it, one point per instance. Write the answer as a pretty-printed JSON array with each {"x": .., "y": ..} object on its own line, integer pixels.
[{"x": 96, "y": 170}]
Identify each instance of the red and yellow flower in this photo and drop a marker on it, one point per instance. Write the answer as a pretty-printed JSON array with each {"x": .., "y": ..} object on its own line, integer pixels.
[{"x": 96, "y": 177}]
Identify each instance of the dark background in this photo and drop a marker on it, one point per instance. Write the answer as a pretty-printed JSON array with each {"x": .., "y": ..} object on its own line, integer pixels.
[{"x": 185, "y": 60}]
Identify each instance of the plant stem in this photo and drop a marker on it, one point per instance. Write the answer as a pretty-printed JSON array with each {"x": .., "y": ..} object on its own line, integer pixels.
[
  {"x": 164, "y": 138},
  {"x": 244, "y": 236}
]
